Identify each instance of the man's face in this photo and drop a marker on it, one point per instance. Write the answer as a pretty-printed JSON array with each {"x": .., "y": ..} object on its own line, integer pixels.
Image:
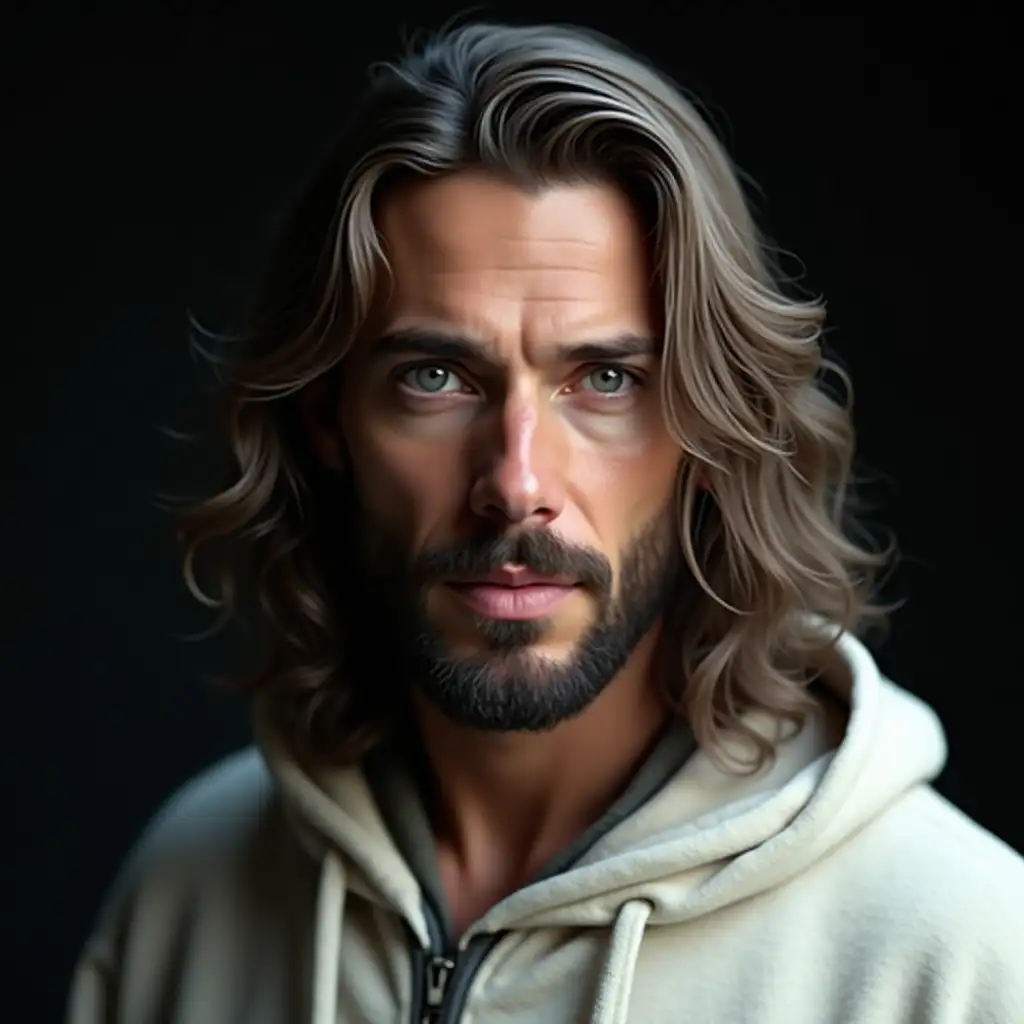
[{"x": 504, "y": 443}]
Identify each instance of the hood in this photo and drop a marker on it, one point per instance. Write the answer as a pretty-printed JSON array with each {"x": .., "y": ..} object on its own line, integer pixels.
[{"x": 706, "y": 840}]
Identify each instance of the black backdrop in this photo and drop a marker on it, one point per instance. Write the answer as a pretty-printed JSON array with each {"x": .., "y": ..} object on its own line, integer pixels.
[{"x": 147, "y": 150}]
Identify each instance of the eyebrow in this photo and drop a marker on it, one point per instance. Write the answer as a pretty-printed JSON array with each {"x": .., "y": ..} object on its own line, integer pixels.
[{"x": 418, "y": 341}]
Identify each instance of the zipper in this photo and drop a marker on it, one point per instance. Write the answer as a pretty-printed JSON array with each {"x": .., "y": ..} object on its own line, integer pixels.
[
  {"x": 445, "y": 980},
  {"x": 438, "y": 972},
  {"x": 442, "y": 974}
]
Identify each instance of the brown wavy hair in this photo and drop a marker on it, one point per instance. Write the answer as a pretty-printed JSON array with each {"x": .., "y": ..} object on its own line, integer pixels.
[{"x": 743, "y": 385}]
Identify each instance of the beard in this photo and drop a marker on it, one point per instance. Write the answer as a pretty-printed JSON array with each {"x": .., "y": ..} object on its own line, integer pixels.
[{"x": 509, "y": 686}]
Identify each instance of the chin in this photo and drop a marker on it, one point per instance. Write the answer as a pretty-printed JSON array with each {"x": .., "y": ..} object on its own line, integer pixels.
[{"x": 494, "y": 653}]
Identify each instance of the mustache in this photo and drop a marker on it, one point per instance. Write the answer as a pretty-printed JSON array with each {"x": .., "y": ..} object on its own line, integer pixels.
[{"x": 537, "y": 550}]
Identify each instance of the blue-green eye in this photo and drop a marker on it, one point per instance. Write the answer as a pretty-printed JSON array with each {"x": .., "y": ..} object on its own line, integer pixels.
[
  {"x": 431, "y": 380},
  {"x": 608, "y": 380}
]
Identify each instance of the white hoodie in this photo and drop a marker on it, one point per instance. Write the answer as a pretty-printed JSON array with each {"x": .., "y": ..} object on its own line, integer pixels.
[{"x": 835, "y": 887}]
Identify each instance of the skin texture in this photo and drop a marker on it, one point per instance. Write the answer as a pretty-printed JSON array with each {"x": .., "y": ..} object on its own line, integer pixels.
[{"x": 516, "y": 438}]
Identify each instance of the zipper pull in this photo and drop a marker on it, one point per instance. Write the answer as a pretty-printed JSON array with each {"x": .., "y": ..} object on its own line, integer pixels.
[{"x": 438, "y": 974}]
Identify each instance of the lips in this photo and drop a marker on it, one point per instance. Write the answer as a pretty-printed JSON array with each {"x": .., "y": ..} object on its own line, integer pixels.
[
  {"x": 517, "y": 577},
  {"x": 531, "y": 601},
  {"x": 513, "y": 593}
]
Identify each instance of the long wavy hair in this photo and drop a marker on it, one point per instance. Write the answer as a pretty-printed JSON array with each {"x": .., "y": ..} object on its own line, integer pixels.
[{"x": 768, "y": 546}]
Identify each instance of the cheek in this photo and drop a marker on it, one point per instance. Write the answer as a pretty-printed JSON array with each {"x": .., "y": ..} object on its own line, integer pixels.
[
  {"x": 620, "y": 494},
  {"x": 624, "y": 468},
  {"x": 411, "y": 484},
  {"x": 624, "y": 492}
]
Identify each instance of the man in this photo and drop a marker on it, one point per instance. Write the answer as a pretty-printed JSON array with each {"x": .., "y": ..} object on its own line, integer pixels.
[{"x": 561, "y": 715}]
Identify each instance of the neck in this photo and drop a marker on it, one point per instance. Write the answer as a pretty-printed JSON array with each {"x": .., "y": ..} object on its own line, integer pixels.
[{"x": 505, "y": 803}]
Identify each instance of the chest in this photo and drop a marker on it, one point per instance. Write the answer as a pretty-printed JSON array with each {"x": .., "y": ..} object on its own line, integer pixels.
[
  {"x": 739, "y": 966},
  {"x": 467, "y": 897}
]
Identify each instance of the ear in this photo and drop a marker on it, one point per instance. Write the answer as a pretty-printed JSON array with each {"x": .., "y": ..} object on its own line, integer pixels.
[{"x": 319, "y": 417}]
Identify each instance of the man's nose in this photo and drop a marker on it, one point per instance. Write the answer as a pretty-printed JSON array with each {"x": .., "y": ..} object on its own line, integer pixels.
[{"x": 520, "y": 480}]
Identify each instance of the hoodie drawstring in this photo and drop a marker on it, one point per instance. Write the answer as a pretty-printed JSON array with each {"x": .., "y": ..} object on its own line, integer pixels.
[
  {"x": 330, "y": 908},
  {"x": 616, "y": 984},
  {"x": 614, "y": 988}
]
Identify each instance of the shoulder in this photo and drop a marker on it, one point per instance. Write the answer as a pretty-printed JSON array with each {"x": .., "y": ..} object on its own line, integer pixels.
[
  {"x": 215, "y": 812},
  {"x": 207, "y": 830},
  {"x": 214, "y": 864},
  {"x": 926, "y": 882},
  {"x": 941, "y": 857}
]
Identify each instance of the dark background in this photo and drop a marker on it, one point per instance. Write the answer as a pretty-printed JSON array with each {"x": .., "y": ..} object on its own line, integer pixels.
[{"x": 147, "y": 149}]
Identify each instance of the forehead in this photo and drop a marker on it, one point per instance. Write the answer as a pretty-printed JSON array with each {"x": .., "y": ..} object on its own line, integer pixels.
[{"x": 490, "y": 256}]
